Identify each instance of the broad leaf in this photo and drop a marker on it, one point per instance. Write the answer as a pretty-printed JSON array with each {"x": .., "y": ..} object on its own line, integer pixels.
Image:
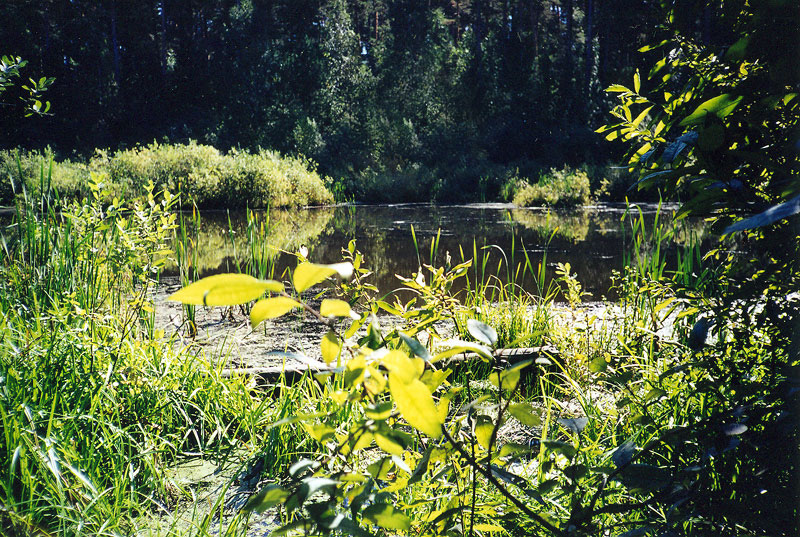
[
  {"x": 415, "y": 403},
  {"x": 576, "y": 425},
  {"x": 388, "y": 517},
  {"x": 509, "y": 377},
  {"x": 415, "y": 346},
  {"x": 526, "y": 414},
  {"x": 334, "y": 308},
  {"x": 269, "y": 308},
  {"x": 225, "y": 290},
  {"x": 768, "y": 217},
  {"x": 623, "y": 454},
  {"x": 458, "y": 346},
  {"x": 330, "y": 347},
  {"x": 483, "y": 431},
  {"x": 482, "y": 332},
  {"x": 269, "y": 496},
  {"x": 388, "y": 444},
  {"x": 720, "y": 106},
  {"x": 309, "y": 274},
  {"x": 556, "y": 445}
]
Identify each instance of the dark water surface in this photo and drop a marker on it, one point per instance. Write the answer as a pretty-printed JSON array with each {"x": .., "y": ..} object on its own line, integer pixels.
[{"x": 591, "y": 239}]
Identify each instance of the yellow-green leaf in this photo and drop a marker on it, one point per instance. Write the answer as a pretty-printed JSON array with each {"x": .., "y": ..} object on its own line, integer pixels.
[
  {"x": 269, "y": 308},
  {"x": 225, "y": 290},
  {"x": 331, "y": 307},
  {"x": 309, "y": 274},
  {"x": 720, "y": 106},
  {"x": 483, "y": 431},
  {"x": 387, "y": 517},
  {"x": 415, "y": 403},
  {"x": 379, "y": 411},
  {"x": 402, "y": 366},
  {"x": 526, "y": 414},
  {"x": 270, "y": 496},
  {"x": 320, "y": 431},
  {"x": 363, "y": 441},
  {"x": 388, "y": 444},
  {"x": 330, "y": 347}
]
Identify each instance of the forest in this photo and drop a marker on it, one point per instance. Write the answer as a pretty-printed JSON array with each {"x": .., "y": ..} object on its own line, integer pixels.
[
  {"x": 462, "y": 268},
  {"x": 440, "y": 94}
]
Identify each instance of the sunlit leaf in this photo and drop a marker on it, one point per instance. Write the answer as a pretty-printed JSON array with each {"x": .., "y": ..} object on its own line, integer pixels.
[
  {"x": 269, "y": 308},
  {"x": 509, "y": 377},
  {"x": 320, "y": 431},
  {"x": 489, "y": 528},
  {"x": 269, "y": 496},
  {"x": 379, "y": 411},
  {"x": 387, "y": 516},
  {"x": 598, "y": 364},
  {"x": 415, "y": 403},
  {"x": 334, "y": 308},
  {"x": 719, "y": 106},
  {"x": 330, "y": 347},
  {"x": 309, "y": 274},
  {"x": 388, "y": 444},
  {"x": 458, "y": 346},
  {"x": 225, "y": 290},
  {"x": 402, "y": 366}
]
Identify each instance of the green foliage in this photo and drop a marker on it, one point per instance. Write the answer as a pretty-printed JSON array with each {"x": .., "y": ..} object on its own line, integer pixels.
[
  {"x": 93, "y": 405},
  {"x": 558, "y": 188},
  {"x": 375, "y": 88},
  {"x": 29, "y": 94},
  {"x": 212, "y": 179},
  {"x": 199, "y": 172},
  {"x": 28, "y": 170},
  {"x": 715, "y": 123}
]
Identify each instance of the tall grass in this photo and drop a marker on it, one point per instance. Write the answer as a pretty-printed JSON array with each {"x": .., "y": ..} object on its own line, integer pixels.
[{"x": 93, "y": 408}]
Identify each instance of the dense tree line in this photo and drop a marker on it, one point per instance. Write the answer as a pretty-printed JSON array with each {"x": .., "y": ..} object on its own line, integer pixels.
[{"x": 385, "y": 86}]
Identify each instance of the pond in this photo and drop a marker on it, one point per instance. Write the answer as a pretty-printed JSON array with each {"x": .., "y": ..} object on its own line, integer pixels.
[{"x": 593, "y": 240}]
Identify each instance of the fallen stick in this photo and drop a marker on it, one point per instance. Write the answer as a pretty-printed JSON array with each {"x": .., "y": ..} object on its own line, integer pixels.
[{"x": 503, "y": 356}]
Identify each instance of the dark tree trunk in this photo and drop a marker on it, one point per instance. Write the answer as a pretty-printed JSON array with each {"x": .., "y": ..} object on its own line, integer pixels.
[
  {"x": 115, "y": 45},
  {"x": 588, "y": 64},
  {"x": 566, "y": 75}
]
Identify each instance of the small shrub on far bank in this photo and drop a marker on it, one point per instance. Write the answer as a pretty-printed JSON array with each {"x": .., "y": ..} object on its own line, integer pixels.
[
  {"x": 70, "y": 179},
  {"x": 558, "y": 188},
  {"x": 199, "y": 172}
]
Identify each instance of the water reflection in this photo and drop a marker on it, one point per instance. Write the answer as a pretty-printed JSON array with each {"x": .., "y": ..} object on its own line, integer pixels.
[{"x": 590, "y": 239}]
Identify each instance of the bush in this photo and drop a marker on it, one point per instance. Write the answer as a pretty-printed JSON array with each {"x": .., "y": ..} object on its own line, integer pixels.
[
  {"x": 200, "y": 172},
  {"x": 31, "y": 169},
  {"x": 216, "y": 180},
  {"x": 558, "y": 188}
]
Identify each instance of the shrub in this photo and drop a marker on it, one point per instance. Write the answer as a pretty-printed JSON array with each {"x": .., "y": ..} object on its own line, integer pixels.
[
  {"x": 215, "y": 180},
  {"x": 200, "y": 172},
  {"x": 32, "y": 169},
  {"x": 558, "y": 188}
]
